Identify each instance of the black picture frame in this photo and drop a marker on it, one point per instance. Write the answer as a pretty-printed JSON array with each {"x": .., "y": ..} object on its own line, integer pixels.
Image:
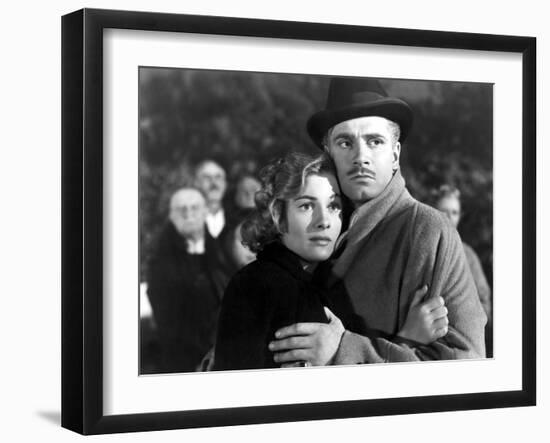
[{"x": 82, "y": 218}]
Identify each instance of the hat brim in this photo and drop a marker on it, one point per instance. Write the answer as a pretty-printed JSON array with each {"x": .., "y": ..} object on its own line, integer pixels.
[{"x": 391, "y": 108}]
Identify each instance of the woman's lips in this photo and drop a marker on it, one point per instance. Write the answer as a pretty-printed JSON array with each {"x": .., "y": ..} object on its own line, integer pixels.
[{"x": 320, "y": 240}]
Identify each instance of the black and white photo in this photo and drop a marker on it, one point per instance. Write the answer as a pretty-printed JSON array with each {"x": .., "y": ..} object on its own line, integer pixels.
[{"x": 347, "y": 251}]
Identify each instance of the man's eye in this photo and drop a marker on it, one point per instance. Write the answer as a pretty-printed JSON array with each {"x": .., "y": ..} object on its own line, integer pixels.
[
  {"x": 376, "y": 142},
  {"x": 345, "y": 144}
]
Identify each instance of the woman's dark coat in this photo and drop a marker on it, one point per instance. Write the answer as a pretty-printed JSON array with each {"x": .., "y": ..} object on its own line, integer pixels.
[{"x": 271, "y": 292}]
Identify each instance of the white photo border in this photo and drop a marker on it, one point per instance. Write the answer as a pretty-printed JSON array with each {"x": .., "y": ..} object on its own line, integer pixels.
[{"x": 125, "y": 392}]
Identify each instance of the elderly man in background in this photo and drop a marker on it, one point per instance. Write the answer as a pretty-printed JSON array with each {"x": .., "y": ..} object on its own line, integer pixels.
[
  {"x": 210, "y": 178},
  {"x": 187, "y": 277},
  {"x": 394, "y": 244}
]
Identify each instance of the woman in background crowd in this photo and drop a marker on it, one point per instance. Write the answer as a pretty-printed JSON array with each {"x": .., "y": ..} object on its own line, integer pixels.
[{"x": 447, "y": 199}]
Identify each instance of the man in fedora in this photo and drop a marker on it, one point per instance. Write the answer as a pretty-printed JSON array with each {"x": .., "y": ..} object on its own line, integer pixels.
[{"x": 394, "y": 244}]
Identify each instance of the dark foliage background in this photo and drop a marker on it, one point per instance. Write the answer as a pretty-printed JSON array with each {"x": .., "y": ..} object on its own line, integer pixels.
[{"x": 243, "y": 120}]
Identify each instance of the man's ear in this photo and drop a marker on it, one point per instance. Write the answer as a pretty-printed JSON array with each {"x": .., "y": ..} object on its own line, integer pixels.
[{"x": 396, "y": 151}]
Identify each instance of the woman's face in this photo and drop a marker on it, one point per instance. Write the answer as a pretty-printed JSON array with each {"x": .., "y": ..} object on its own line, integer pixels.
[
  {"x": 246, "y": 190},
  {"x": 451, "y": 207},
  {"x": 314, "y": 219}
]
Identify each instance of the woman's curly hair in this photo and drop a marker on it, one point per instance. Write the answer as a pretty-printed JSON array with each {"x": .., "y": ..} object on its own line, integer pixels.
[{"x": 282, "y": 180}]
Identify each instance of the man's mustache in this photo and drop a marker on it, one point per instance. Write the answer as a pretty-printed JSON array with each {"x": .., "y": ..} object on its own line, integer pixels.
[{"x": 361, "y": 170}]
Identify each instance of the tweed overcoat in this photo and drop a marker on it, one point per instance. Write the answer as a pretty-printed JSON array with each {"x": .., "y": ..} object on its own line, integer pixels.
[{"x": 394, "y": 246}]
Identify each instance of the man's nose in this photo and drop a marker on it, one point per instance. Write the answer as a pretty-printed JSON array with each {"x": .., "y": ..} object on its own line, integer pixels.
[{"x": 362, "y": 153}]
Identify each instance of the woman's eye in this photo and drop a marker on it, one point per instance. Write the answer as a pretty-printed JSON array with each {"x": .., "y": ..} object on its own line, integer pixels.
[
  {"x": 306, "y": 206},
  {"x": 335, "y": 207}
]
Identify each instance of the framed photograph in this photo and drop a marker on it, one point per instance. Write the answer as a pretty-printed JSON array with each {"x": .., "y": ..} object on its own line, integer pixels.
[{"x": 203, "y": 287}]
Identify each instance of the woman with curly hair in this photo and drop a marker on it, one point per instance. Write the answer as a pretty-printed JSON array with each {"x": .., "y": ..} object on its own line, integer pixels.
[{"x": 294, "y": 228}]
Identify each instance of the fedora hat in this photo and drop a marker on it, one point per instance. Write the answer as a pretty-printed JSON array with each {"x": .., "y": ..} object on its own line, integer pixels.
[{"x": 350, "y": 98}]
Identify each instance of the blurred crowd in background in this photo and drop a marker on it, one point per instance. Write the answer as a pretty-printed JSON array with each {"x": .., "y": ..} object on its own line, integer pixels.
[{"x": 204, "y": 136}]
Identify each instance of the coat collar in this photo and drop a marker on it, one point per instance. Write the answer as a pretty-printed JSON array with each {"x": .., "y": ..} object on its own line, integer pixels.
[
  {"x": 366, "y": 217},
  {"x": 279, "y": 254}
]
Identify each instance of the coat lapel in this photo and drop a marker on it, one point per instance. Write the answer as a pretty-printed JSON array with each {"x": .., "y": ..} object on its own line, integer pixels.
[{"x": 365, "y": 218}]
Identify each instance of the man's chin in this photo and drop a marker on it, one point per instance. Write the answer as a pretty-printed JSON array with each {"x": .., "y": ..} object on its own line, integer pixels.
[
  {"x": 214, "y": 197},
  {"x": 363, "y": 195}
]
